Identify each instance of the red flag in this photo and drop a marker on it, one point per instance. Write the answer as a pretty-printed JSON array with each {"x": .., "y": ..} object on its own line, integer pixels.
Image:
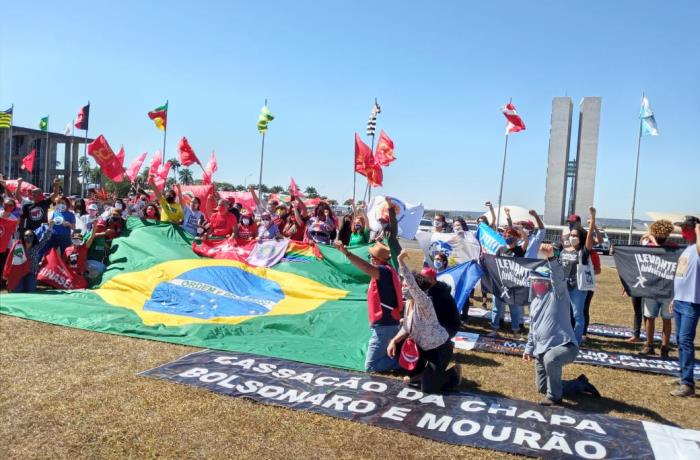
[
  {"x": 210, "y": 169},
  {"x": 363, "y": 156},
  {"x": 103, "y": 154},
  {"x": 121, "y": 154},
  {"x": 293, "y": 189},
  {"x": 155, "y": 164},
  {"x": 7, "y": 228},
  {"x": 83, "y": 118},
  {"x": 515, "y": 123},
  {"x": 203, "y": 192},
  {"x": 375, "y": 176},
  {"x": 26, "y": 190},
  {"x": 16, "y": 266},
  {"x": 384, "y": 153},
  {"x": 55, "y": 273},
  {"x": 28, "y": 162},
  {"x": 133, "y": 170},
  {"x": 187, "y": 155}
]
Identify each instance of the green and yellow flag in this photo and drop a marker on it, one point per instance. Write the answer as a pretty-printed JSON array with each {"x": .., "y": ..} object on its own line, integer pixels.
[
  {"x": 159, "y": 115},
  {"x": 310, "y": 309},
  {"x": 264, "y": 118},
  {"x": 44, "y": 123},
  {"x": 6, "y": 118}
]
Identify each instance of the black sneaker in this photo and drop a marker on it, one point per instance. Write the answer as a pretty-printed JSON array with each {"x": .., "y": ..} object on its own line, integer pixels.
[{"x": 588, "y": 387}]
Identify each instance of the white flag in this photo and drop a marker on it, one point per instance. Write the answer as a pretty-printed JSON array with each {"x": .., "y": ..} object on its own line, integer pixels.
[
  {"x": 408, "y": 216},
  {"x": 69, "y": 130}
]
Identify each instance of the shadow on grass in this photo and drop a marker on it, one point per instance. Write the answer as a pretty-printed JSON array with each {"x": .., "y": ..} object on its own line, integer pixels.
[
  {"x": 606, "y": 405},
  {"x": 470, "y": 359}
]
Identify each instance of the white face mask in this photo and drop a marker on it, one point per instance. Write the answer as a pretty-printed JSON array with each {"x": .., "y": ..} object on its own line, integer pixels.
[
  {"x": 118, "y": 206},
  {"x": 61, "y": 207},
  {"x": 573, "y": 240},
  {"x": 77, "y": 241}
]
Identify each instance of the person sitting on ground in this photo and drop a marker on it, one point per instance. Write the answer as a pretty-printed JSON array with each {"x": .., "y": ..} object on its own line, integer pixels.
[
  {"x": 267, "y": 230},
  {"x": 551, "y": 340},
  {"x": 384, "y": 304},
  {"x": 222, "y": 224},
  {"x": 686, "y": 304},
  {"x": 170, "y": 208},
  {"x": 445, "y": 305},
  {"x": 33, "y": 250},
  {"x": 659, "y": 232},
  {"x": 421, "y": 324}
]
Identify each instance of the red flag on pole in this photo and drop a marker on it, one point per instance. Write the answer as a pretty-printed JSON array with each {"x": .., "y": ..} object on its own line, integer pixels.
[
  {"x": 103, "y": 154},
  {"x": 83, "y": 117},
  {"x": 210, "y": 169},
  {"x": 384, "y": 153},
  {"x": 363, "y": 156},
  {"x": 55, "y": 273},
  {"x": 375, "y": 176},
  {"x": 121, "y": 154},
  {"x": 7, "y": 229},
  {"x": 187, "y": 155},
  {"x": 515, "y": 123},
  {"x": 133, "y": 170},
  {"x": 293, "y": 189},
  {"x": 16, "y": 266},
  {"x": 28, "y": 162}
]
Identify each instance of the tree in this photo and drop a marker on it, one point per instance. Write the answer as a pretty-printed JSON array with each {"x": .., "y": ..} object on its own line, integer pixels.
[
  {"x": 185, "y": 176},
  {"x": 175, "y": 166},
  {"x": 311, "y": 192},
  {"x": 240, "y": 188},
  {"x": 348, "y": 202},
  {"x": 120, "y": 189},
  {"x": 276, "y": 189},
  {"x": 263, "y": 189},
  {"x": 332, "y": 202}
]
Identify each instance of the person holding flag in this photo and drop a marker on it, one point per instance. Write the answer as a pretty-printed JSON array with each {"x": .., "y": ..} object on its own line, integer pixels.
[{"x": 23, "y": 262}]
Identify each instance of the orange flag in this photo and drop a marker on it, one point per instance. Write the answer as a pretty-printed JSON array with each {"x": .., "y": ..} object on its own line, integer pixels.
[{"x": 384, "y": 153}]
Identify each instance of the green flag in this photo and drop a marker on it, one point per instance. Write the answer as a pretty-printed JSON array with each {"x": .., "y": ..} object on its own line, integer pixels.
[
  {"x": 311, "y": 307},
  {"x": 264, "y": 118},
  {"x": 44, "y": 123}
]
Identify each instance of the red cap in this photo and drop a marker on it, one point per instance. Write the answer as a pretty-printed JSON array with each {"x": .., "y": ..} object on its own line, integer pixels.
[
  {"x": 429, "y": 272},
  {"x": 574, "y": 218}
]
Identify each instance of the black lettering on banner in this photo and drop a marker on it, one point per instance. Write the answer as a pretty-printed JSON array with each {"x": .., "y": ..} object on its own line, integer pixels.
[{"x": 479, "y": 420}]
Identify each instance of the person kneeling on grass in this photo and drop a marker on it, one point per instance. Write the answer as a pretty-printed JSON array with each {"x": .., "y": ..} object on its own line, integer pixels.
[
  {"x": 421, "y": 324},
  {"x": 384, "y": 304},
  {"x": 551, "y": 340}
]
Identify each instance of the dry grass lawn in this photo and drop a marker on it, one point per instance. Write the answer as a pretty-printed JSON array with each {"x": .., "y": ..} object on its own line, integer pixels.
[{"x": 68, "y": 393}]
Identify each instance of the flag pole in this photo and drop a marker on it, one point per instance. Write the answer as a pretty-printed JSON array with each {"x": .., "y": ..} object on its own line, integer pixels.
[
  {"x": 262, "y": 155},
  {"x": 85, "y": 173},
  {"x": 9, "y": 157},
  {"x": 503, "y": 173},
  {"x": 165, "y": 128},
  {"x": 636, "y": 174},
  {"x": 369, "y": 186},
  {"x": 46, "y": 160}
]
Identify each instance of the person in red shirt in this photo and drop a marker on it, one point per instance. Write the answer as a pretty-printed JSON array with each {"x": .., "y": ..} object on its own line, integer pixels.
[
  {"x": 247, "y": 228},
  {"x": 76, "y": 254},
  {"x": 222, "y": 223},
  {"x": 295, "y": 227}
]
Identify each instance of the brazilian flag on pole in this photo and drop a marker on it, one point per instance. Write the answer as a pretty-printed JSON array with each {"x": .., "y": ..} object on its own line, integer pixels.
[
  {"x": 44, "y": 123},
  {"x": 306, "y": 308}
]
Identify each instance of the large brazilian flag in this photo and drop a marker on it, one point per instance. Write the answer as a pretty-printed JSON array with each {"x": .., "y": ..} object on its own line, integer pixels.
[{"x": 306, "y": 309}]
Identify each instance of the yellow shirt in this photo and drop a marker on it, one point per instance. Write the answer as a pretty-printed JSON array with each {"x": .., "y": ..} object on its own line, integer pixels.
[{"x": 170, "y": 212}]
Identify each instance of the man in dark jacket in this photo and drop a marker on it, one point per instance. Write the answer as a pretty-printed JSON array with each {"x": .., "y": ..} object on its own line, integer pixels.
[{"x": 445, "y": 305}]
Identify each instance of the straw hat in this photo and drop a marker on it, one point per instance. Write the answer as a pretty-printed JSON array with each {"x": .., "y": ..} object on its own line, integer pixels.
[{"x": 380, "y": 251}]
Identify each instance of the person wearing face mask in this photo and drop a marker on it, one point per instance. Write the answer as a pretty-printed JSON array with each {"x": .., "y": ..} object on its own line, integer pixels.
[
  {"x": 551, "y": 340},
  {"x": 360, "y": 233},
  {"x": 170, "y": 208},
  {"x": 139, "y": 205},
  {"x": 36, "y": 213},
  {"x": 389, "y": 233},
  {"x": 7, "y": 212},
  {"x": 267, "y": 230},
  {"x": 440, "y": 262},
  {"x": 222, "y": 224},
  {"x": 575, "y": 259},
  {"x": 87, "y": 221},
  {"x": 193, "y": 216},
  {"x": 321, "y": 225},
  {"x": 439, "y": 224},
  {"x": 295, "y": 228},
  {"x": 247, "y": 228},
  {"x": 445, "y": 305},
  {"x": 280, "y": 216},
  {"x": 686, "y": 304},
  {"x": 64, "y": 221},
  {"x": 384, "y": 304},
  {"x": 24, "y": 260},
  {"x": 152, "y": 212},
  {"x": 421, "y": 324},
  {"x": 345, "y": 229},
  {"x": 76, "y": 255}
]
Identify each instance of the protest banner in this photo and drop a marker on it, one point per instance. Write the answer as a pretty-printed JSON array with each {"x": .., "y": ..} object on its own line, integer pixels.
[
  {"x": 509, "y": 277},
  {"x": 647, "y": 271}
]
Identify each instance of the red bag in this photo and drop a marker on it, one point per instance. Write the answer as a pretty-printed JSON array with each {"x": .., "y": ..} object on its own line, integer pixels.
[{"x": 408, "y": 359}]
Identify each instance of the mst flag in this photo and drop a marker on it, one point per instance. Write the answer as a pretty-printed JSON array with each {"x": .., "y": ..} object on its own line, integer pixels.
[
  {"x": 103, "y": 154},
  {"x": 515, "y": 123},
  {"x": 187, "y": 155},
  {"x": 649, "y": 127},
  {"x": 384, "y": 153},
  {"x": 7, "y": 229},
  {"x": 509, "y": 277},
  {"x": 83, "y": 117},
  {"x": 28, "y": 162},
  {"x": 6, "y": 118},
  {"x": 647, "y": 271},
  {"x": 159, "y": 115}
]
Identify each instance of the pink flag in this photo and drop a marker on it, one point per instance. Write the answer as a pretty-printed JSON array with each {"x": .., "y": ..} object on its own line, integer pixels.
[
  {"x": 293, "y": 189},
  {"x": 133, "y": 170},
  {"x": 515, "y": 123},
  {"x": 210, "y": 169},
  {"x": 120, "y": 159},
  {"x": 155, "y": 164}
]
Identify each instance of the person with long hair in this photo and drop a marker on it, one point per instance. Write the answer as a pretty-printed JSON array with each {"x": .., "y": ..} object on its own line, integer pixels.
[{"x": 321, "y": 225}]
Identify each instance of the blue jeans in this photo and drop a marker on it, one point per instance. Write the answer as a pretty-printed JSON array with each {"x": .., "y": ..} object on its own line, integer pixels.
[
  {"x": 57, "y": 241},
  {"x": 516, "y": 314},
  {"x": 377, "y": 359},
  {"x": 578, "y": 305},
  {"x": 686, "y": 315},
  {"x": 548, "y": 368},
  {"x": 26, "y": 284}
]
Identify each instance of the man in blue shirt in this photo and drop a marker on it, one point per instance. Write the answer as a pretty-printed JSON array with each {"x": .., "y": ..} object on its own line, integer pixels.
[{"x": 686, "y": 304}]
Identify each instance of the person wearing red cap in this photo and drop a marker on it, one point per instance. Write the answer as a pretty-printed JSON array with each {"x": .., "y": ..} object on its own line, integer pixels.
[
  {"x": 445, "y": 305},
  {"x": 384, "y": 304}
]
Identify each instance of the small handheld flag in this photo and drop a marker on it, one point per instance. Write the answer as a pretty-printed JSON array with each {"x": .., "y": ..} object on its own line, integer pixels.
[
  {"x": 515, "y": 123},
  {"x": 159, "y": 115},
  {"x": 649, "y": 127},
  {"x": 264, "y": 118},
  {"x": 44, "y": 123}
]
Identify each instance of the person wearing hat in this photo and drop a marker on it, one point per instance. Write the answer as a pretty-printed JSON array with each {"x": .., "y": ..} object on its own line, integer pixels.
[
  {"x": 445, "y": 305},
  {"x": 686, "y": 303},
  {"x": 551, "y": 341},
  {"x": 384, "y": 304}
]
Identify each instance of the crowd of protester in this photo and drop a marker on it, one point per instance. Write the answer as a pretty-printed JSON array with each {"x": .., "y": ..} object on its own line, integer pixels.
[{"x": 412, "y": 316}]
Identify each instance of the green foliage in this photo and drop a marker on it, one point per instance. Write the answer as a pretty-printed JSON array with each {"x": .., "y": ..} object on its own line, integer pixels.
[
  {"x": 311, "y": 192},
  {"x": 185, "y": 176}
]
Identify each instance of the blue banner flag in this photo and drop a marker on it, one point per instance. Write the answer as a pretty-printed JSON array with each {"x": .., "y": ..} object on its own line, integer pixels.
[
  {"x": 461, "y": 279},
  {"x": 649, "y": 127},
  {"x": 489, "y": 238}
]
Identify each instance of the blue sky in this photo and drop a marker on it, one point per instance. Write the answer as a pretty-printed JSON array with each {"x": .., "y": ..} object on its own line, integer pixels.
[{"x": 441, "y": 71}]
